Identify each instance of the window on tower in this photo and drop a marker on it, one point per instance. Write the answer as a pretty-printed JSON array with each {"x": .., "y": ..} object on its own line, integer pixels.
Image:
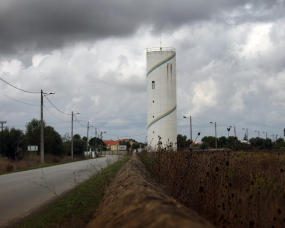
[{"x": 153, "y": 85}]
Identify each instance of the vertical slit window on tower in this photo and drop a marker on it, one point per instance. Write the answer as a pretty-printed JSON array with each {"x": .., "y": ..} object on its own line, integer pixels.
[{"x": 153, "y": 85}]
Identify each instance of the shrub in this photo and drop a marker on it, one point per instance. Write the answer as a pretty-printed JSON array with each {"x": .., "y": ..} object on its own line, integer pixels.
[
  {"x": 204, "y": 146},
  {"x": 9, "y": 167}
]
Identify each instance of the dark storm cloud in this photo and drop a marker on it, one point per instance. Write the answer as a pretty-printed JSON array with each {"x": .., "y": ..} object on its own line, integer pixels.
[{"x": 35, "y": 24}]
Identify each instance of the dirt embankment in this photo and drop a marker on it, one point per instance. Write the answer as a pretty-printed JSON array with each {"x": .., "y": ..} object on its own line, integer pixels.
[{"x": 134, "y": 199}]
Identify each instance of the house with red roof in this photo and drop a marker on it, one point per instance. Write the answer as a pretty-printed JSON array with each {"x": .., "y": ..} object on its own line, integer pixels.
[{"x": 113, "y": 145}]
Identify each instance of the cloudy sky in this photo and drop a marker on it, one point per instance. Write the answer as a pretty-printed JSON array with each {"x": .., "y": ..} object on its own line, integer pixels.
[{"x": 92, "y": 54}]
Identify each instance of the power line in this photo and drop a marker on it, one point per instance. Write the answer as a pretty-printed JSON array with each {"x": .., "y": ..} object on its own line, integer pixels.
[
  {"x": 79, "y": 122},
  {"x": 18, "y": 100},
  {"x": 55, "y": 116},
  {"x": 18, "y": 88},
  {"x": 56, "y": 107}
]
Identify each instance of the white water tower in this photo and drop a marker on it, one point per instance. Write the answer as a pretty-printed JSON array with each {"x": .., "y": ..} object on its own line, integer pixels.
[{"x": 161, "y": 96}]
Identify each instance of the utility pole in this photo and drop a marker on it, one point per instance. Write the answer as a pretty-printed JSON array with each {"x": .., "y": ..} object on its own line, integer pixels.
[
  {"x": 235, "y": 131},
  {"x": 2, "y": 122},
  {"x": 87, "y": 135},
  {"x": 191, "y": 128},
  {"x": 42, "y": 131},
  {"x": 95, "y": 138},
  {"x": 100, "y": 137},
  {"x": 216, "y": 135},
  {"x": 72, "y": 135}
]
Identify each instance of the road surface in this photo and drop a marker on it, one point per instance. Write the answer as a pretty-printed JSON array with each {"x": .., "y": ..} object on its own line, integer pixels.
[{"x": 21, "y": 193}]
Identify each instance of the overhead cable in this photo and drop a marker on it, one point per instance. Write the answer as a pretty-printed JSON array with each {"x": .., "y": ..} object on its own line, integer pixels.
[
  {"x": 18, "y": 88},
  {"x": 19, "y": 101},
  {"x": 56, "y": 107},
  {"x": 55, "y": 116},
  {"x": 79, "y": 122}
]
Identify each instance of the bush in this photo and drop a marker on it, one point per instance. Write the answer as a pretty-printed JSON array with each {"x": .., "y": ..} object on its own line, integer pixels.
[
  {"x": 9, "y": 167},
  {"x": 204, "y": 146}
]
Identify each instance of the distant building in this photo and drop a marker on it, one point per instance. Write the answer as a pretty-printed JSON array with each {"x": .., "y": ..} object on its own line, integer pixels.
[
  {"x": 244, "y": 141},
  {"x": 113, "y": 145}
]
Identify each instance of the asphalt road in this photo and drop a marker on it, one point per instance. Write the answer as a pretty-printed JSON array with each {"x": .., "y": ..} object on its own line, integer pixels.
[{"x": 21, "y": 193}]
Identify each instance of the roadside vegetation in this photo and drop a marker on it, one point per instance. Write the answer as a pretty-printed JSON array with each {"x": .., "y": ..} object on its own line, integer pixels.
[
  {"x": 228, "y": 188},
  {"x": 14, "y": 143},
  {"x": 77, "y": 208},
  {"x": 7, "y": 166}
]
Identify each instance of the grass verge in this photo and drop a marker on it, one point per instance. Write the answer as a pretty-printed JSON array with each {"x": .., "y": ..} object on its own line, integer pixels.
[{"x": 77, "y": 207}]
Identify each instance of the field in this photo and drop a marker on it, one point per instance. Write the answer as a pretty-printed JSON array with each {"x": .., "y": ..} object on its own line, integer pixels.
[{"x": 228, "y": 188}]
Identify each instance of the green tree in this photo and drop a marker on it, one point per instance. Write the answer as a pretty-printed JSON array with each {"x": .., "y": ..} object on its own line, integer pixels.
[
  {"x": 204, "y": 146},
  {"x": 260, "y": 143},
  {"x": 135, "y": 146},
  {"x": 210, "y": 140},
  {"x": 76, "y": 136},
  {"x": 33, "y": 132},
  {"x": 279, "y": 143},
  {"x": 79, "y": 146},
  {"x": 9, "y": 141},
  {"x": 98, "y": 142},
  {"x": 182, "y": 141},
  {"x": 52, "y": 139},
  {"x": 222, "y": 142},
  {"x": 53, "y": 142}
]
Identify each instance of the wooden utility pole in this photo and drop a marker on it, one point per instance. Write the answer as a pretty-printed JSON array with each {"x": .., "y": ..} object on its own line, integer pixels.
[
  {"x": 87, "y": 136},
  {"x": 42, "y": 131},
  {"x": 72, "y": 135}
]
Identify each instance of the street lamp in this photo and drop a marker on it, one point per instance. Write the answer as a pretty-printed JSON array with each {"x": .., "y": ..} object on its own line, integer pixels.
[
  {"x": 265, "y": 134},
  {"x": 215, "y": 133},
  {"x": 190, "y": 127},
  {"x": 258, "y": 134},
  {"x": 42, "y": 126},
  {"x": 229, "y": 128},
  {"x": 199, "y": 133},
  {"x": 246, "y": 133},
  {"x": 72, "y": 132}
]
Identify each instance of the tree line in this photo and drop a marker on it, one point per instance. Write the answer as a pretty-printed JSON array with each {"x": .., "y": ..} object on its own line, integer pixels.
[
  {"x": 232, "y": 143},
  {"x": 14, "y": 142}
]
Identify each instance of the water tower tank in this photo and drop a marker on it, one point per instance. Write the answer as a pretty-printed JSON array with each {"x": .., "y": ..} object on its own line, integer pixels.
[{"x": 161, "y": 96}]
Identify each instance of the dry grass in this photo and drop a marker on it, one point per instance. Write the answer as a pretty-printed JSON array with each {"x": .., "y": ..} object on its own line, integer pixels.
[
  {"x": 7, "y": 166},
  {"x": 230, "y": 189}
]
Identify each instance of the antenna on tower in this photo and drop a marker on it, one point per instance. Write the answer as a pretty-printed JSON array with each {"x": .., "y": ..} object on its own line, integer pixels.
[{"x": 160, "y": 44}]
